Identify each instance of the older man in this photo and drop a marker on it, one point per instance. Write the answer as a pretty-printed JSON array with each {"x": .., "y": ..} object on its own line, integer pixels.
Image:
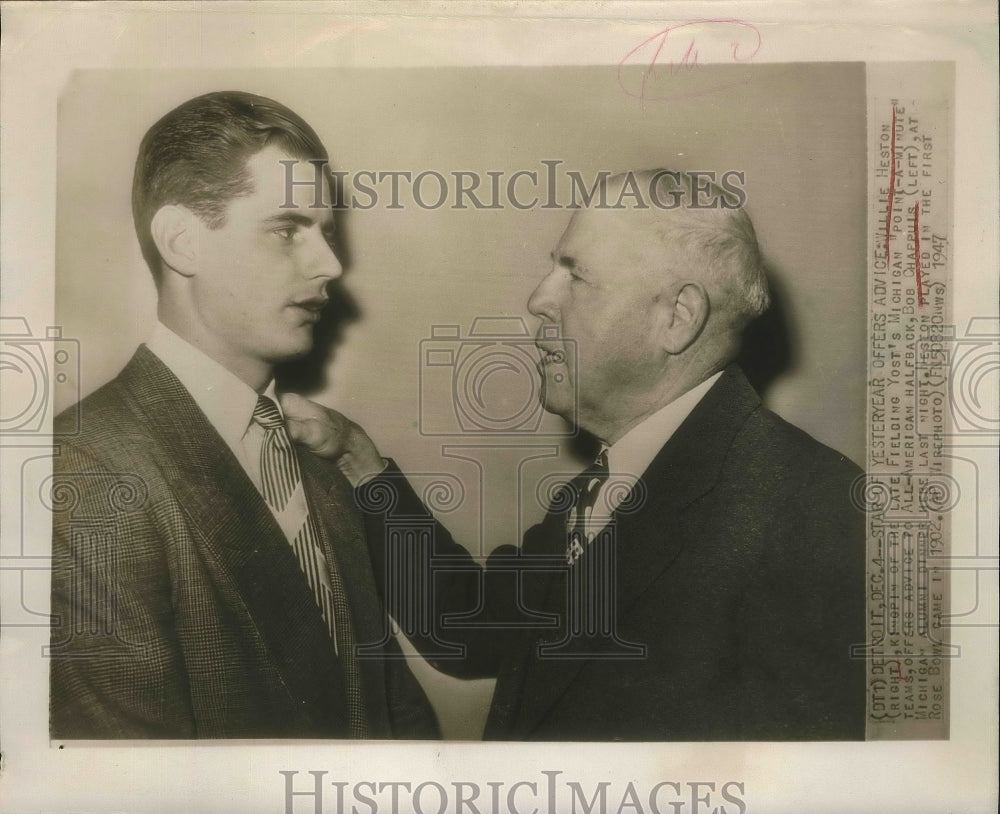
[
  {"x": 703, "y": 580},
  {"x": 208, "y": 581}
]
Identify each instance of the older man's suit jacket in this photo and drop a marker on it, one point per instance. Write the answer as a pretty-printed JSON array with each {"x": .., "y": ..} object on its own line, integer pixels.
[
  {"x": 738, "y": 568},
  {"x": 179, "y": 610}
]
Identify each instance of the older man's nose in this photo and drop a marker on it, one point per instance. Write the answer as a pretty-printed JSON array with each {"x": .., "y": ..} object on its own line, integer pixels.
[{"x": 543, "y": 302}]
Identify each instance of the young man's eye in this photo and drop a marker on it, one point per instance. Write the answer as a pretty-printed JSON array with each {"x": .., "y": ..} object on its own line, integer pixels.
[{"x": 286, "y": 232}]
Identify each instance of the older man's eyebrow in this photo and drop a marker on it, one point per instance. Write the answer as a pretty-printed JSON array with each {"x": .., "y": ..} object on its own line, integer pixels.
[{"x": 567, "y": 262}]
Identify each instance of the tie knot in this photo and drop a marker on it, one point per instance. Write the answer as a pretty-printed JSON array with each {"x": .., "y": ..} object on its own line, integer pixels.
[
  {"x": 266, "y": 414},
  {"x": 598, "y": 469},
  {"x": 590, "y": 480},
  {"x": 600, "y": 466}
]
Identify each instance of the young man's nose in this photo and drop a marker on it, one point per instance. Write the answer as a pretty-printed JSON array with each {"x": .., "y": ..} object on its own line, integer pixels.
[{"x": 324, "y": 261}]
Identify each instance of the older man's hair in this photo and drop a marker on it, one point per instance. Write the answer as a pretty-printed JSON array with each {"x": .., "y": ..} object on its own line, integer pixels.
[
  {"x": 714, "y": 234},
  {"x": 196, "y": 156}
]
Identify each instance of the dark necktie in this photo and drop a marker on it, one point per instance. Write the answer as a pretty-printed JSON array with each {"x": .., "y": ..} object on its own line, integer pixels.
[
  {"x": 281, "y": 483},
  {"x": 586, "y": 486}
]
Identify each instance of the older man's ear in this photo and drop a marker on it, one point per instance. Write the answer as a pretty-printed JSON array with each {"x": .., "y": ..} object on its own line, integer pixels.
[
  {"x": 684, "y": 311},
  {"x": 329, "y": 434}
]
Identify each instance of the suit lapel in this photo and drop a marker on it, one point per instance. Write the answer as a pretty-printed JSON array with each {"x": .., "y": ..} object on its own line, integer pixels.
[
  {"x": 342, "y": 537},
  {"x": 685, "y": 469},
  {"x": 646, "y": 539},
  {"x": 238, "y": 539}
]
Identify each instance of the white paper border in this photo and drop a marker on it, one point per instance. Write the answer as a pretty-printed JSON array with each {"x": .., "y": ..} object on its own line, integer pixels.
[{"x": 43, "y": 43}]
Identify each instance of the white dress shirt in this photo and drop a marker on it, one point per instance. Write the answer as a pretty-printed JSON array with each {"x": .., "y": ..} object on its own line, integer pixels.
[
  {"x": 630, "y": 456},
  {"x": 228, "y": 403}
]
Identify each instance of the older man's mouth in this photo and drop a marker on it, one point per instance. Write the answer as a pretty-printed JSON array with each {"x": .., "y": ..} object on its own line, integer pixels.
[{"x": 550, "y": 355}]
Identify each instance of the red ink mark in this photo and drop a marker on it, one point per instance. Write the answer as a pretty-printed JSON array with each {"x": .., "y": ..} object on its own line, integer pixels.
[
  {"x": 892, "y": 186},
  {"x": 898, "y": 675},
  {"x": 917, "y": 271},
  {"x": 690, "y": 57},
  {"x": 663, "y": 45}
]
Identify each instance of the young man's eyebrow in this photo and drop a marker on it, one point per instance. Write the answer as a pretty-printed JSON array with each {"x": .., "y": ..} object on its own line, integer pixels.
[
  {"x": 327, "y": 227},
  {"x": 290, "y": 217}
]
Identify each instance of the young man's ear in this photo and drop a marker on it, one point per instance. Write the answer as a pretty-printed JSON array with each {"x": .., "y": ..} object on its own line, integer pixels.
[
  {"x": 684, "y": 312},
  {"x": 175, "y": 232}
]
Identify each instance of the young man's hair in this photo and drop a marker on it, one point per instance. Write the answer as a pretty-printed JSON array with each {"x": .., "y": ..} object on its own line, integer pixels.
[{"x": 196, "y": 156}]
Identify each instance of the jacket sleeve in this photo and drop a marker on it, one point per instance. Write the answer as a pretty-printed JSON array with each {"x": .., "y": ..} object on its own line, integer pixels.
[
  {"x": 454, "y": 611},
  {"x": 411, "y": 716}
]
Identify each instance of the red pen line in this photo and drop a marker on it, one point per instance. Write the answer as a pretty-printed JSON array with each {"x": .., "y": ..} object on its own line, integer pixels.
[
  {"x": 892, "y": 185},
  {"x": 917, "y": 271}
]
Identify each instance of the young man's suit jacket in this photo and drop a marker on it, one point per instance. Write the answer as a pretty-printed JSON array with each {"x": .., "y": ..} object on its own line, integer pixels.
[
  {"x": 739, "y": 567},
  {"x": 179, "y": 608}
]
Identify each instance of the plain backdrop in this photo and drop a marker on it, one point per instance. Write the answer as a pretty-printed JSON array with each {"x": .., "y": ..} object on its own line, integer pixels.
[{"x": 797, "y": 132}]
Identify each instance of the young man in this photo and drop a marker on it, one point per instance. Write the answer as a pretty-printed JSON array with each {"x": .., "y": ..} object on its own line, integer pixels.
[{"x": 209, "y": 581}]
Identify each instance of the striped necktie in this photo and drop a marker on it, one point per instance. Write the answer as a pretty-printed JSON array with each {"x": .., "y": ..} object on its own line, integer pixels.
[
  {"x": 281, "y": 483},
  {"x": 586, "y": 486}
]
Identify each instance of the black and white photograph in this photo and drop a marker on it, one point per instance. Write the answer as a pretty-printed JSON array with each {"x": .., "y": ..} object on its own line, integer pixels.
[
  {"x": 410, "y": 413},
  {"x": 731, "y": 609}
]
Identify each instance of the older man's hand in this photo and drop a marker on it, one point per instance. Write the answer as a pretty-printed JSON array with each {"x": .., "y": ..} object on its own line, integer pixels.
[{"x": 332, "y": 435}]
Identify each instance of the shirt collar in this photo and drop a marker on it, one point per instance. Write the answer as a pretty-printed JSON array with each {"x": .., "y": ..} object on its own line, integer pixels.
[
  {"x": 632, "y": 454},
  {"x": 226, "y": 400}
]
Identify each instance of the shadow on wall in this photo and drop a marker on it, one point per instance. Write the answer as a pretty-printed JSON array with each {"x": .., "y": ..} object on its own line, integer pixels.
[
  {"x": 767, "y": 349},
  {"x": 308, "y": 374}
]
